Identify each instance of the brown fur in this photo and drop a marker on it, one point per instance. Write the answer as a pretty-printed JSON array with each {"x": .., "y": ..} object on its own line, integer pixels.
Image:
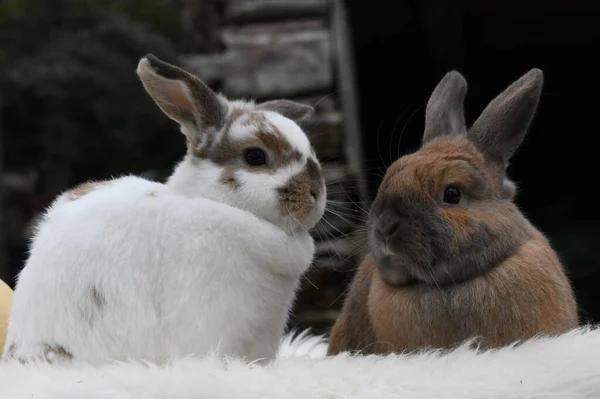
[
  {"x": 379, "y": 318},
  {"x": 353, "y": 330},
  {"x": 297, "y": 197},
  {"x": 235, "y": 114},
  {"x": 443, "y": 160},
  {"x": 440, "y": 273},
  {"x": 228, "y": 177},
  {"x": 282, "y": 151},
  {"x": 82, "y": 189}
]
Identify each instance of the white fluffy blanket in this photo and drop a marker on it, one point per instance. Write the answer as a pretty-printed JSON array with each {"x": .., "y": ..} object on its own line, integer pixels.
[{"x": 562, "y": 367}]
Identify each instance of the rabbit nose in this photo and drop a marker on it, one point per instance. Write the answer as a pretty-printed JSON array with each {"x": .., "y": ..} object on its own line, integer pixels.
[
  {"x": 385, "y": 229},
  {"x": 389, "y": 228}
]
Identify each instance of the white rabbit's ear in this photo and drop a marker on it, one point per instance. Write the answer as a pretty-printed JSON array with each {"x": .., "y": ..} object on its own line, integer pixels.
[
  {"x": 444, "y": 114},
  {"x": 502, "y": 125},
  {"x": 290, "y": 109},
  {"x": 183, "y": 97}
]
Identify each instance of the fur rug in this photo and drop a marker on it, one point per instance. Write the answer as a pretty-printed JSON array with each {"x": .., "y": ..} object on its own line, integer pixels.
[{"x": 563, "y": 367}]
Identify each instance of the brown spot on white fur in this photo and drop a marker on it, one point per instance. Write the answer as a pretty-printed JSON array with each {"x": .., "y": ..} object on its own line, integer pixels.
[
  {"x": 82, "y": 189},
  {"x": 10, "y": 351},
  {"x": 54, "y": 353},
  {"x": 47, "y": 352},
  {"x": 236, "y": 113},
  {"x": 272, "y": 138},
  {"x": 98, "y": 297},
  {"x": 298, "y": 196},
  {"x": 228, "y": 177},
  {"x": 279, "y": 148},
  {"x": 228, "y": 152}
]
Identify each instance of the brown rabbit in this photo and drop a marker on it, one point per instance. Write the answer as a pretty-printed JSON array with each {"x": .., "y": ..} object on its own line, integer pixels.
[{"x": 451, "y": 256}]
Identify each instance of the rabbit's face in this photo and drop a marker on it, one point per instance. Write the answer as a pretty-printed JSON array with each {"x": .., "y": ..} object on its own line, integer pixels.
[
  {"x": 247, "y": 155},
  {"x": 444, "y": 214},
  {"x": 435, "y": 207},
  {"x": 265, "y": 164}
]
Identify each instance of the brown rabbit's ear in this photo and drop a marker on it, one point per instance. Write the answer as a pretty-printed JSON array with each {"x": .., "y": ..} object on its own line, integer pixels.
[
  {"x": 182, "y": 96},
  {"x": 445, "y": 111},
  {"x": 502, "y": 125},
  {"x": 290, "y": 109}
]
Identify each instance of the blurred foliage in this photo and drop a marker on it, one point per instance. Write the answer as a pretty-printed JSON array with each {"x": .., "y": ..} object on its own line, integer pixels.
[
  {"x": 9, "y": 8},
  {"x": 71, "y": 96},
  {"x": 162, "y": 16},
  {"x": 159, "y": 15}
]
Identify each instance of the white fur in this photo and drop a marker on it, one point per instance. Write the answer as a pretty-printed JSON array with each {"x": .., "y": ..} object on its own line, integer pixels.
[
  {"x": 563, "y": 367},
  {"x": 183, "y": 268},
  {"x": 178, "y": 275},
  {"x": 303, "y": 344}
]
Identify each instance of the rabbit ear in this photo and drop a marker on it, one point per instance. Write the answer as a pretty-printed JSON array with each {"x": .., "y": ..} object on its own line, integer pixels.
[
  {"x": 502, "y": 125},
  {"x": 290, "y": 109},
  {"x": 444, "y": 113},
  {"x": 182, "y": 96}
]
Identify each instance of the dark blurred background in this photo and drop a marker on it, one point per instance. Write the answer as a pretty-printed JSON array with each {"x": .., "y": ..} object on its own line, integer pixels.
[{"x": 72, "y": 108}]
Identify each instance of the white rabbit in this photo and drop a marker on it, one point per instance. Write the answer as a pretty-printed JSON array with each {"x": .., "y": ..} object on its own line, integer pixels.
[{"x": 209, "y": 261}]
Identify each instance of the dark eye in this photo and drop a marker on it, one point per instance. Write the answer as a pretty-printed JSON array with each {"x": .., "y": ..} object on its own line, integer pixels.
[
  {"x": 452, "y": 195},
  {"x": 255, "y": 157}
]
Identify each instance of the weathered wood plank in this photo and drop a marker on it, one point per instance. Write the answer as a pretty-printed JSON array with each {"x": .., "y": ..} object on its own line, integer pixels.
[
  {"x": 240, "y": 11},
  {"x": 281, "y": 59}
]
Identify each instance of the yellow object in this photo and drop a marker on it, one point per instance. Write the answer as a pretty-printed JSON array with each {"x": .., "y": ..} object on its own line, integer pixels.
[{"x": 5, "y": 301}]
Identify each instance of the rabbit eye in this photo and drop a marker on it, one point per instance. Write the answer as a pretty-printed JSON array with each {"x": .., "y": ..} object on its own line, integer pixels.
[
  {"x": 452, "y": 195},
  {"x": 255, "y": 157}
]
